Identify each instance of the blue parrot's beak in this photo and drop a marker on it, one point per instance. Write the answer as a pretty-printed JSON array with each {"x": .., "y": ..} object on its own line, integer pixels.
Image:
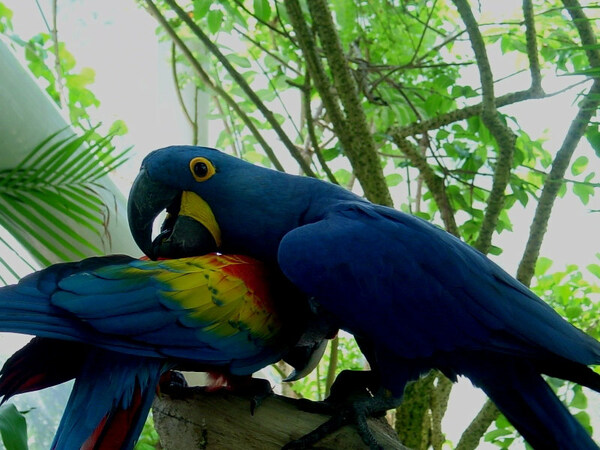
[
  {"x": 304, "y": 359},
  {"x": 189, "y": 229}
]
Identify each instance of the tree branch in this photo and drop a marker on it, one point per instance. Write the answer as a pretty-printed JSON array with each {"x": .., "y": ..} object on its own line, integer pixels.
[
  {"x": 532, "y": 49},
  {"x": 461, "y": 114},
  {"x": 470, "y": 438},
  {"x": 192, "y": 122},
  {"x": 587, "y": 109},
  {"x": 434, "y": 183},
  {"x": 206, "y": 421},
  {"x": 554, "y": 181},
  {"x": 439, "y": 404},
  {"x": 412, "y": 415},
  {"x": 504, "y": 137},
  {"x": 310, "y": 126},
  {"x": 585, "y": 30},
  {"x": 362, "y": 152},
  {"x": 239, "y": 79}
]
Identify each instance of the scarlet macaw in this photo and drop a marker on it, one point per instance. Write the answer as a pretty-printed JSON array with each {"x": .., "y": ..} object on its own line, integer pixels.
[
  {"x": 116, "y": 324},
  {"x": 414, "y": 296}
]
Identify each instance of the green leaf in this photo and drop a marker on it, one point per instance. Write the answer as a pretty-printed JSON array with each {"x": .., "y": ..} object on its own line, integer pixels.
[
  {"x": 330, "y": 154},
  {"x": 262, "y": 9},
  {"x": 579, "y": 399},
  {"x": 343, "y": 176},
  {"x": 495, "y": 434},
  {"x": 255, "y": 157},
  {"x": 594, "y": 269},
  {"x": 495, "y": 250},
  {"x": 238, "y": 60},
  {"x": 583, "y": 191},
  {"x": 579, "y": 165},
  {"x": 118, "y": 128},
  {"x": 573, "y": 311},
  {"x": 542, "y": 265},
  {"x": 215, "y": 18},
  {"x": 201, "y": 7},
  {"x": 13, "y": 428},
  {"x": 584, "y": 419},
  {"x": 54, "y": 182},
  {"x": 393, "y": 179}
]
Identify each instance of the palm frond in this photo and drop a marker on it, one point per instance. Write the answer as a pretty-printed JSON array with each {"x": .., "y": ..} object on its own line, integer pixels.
[{"x": 50, "y": 203}]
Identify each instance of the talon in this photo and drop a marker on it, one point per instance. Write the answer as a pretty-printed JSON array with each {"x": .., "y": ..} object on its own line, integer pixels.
[
  {"x": 354, "y": 398},
  {"x": 174, "y": 384}
]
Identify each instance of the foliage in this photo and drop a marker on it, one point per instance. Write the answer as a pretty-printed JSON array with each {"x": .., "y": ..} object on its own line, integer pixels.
[
  {"x": 149, "y": 438},
  {"x": 400, "y": 99},
  {"x": 57, "y": 180},
  {"x": 13, "y": 428},
  {"x": 51, "y": 62},
  {"x": 59, "y": 177}
]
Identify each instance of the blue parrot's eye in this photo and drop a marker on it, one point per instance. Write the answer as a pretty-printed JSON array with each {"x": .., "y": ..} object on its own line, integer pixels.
[{"x": 202, "y": 168}]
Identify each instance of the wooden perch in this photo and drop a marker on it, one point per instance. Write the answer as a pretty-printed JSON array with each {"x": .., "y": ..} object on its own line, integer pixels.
[{"x": 222, "y": 420}]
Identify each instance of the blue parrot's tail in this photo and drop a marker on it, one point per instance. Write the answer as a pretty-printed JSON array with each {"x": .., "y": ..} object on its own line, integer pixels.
[
  {"x": 27, "y": 307},
  {"x": 40, "y": 364},
  {"x": 528, "y": 402},
  {"x": 109, "y": 402}
]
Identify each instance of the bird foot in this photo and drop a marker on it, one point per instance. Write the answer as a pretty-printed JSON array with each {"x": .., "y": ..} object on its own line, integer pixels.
[
  {"x": 355, "y": 415},
  {"x": 256, "y": 388},
  {"x": 173, "y": 384},
  {"x": 354, "y": 398}
]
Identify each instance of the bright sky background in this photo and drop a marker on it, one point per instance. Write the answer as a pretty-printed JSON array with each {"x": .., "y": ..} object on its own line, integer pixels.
[{"x": 133, "y": 83}]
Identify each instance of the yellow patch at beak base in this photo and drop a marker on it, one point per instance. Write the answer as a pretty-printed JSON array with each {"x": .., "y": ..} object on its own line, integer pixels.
[{"x": 194, "y": 206}]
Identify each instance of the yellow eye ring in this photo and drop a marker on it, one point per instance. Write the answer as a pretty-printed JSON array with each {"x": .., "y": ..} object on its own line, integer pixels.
[{"x": 202, "y": 169}]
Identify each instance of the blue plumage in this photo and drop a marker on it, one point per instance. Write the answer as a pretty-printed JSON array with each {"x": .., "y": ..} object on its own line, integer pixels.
[{"x": 416, "y": 297}]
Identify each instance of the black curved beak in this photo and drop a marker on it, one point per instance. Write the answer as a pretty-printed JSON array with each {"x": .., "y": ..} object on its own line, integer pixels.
[
  {"x": 306, "y": 354},
  {"x": 304, "y": 359},
  {"x": 180, "y": 236}
]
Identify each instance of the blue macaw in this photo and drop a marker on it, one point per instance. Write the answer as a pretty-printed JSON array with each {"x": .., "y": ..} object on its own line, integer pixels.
[
  {"x": 116, "y": 324},
  {"x": 414, "y": 296}
]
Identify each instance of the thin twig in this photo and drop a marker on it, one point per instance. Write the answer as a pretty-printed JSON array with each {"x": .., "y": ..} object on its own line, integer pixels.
[
  {"x": 175, "y": 76},
  {"x": 243, "y": 84},
  {"x": 433, "y": 181},
  {"x": 310, "y": 126},
  {"x": 60, "y": 87},
  {"x": 213, "y": 86}
]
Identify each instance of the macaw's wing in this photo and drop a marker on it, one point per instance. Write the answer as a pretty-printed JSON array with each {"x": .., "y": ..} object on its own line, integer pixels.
[
  {"x": 379, "y": 270},
  {"x": 212, "y": 309}
]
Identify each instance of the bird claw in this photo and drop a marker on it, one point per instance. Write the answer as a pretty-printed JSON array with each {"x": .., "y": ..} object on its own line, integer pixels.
[
  {"x": 259, "y": 389},
  {"x": 354, "y": 398},
  {"x": 256, "y": 388},
  {"x": 355, "y": 414},
  {"x": 174, "y": 384}
]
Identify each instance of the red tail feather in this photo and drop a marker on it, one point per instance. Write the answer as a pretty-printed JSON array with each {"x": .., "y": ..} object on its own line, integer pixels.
[{"x": 114, "y": 430}]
